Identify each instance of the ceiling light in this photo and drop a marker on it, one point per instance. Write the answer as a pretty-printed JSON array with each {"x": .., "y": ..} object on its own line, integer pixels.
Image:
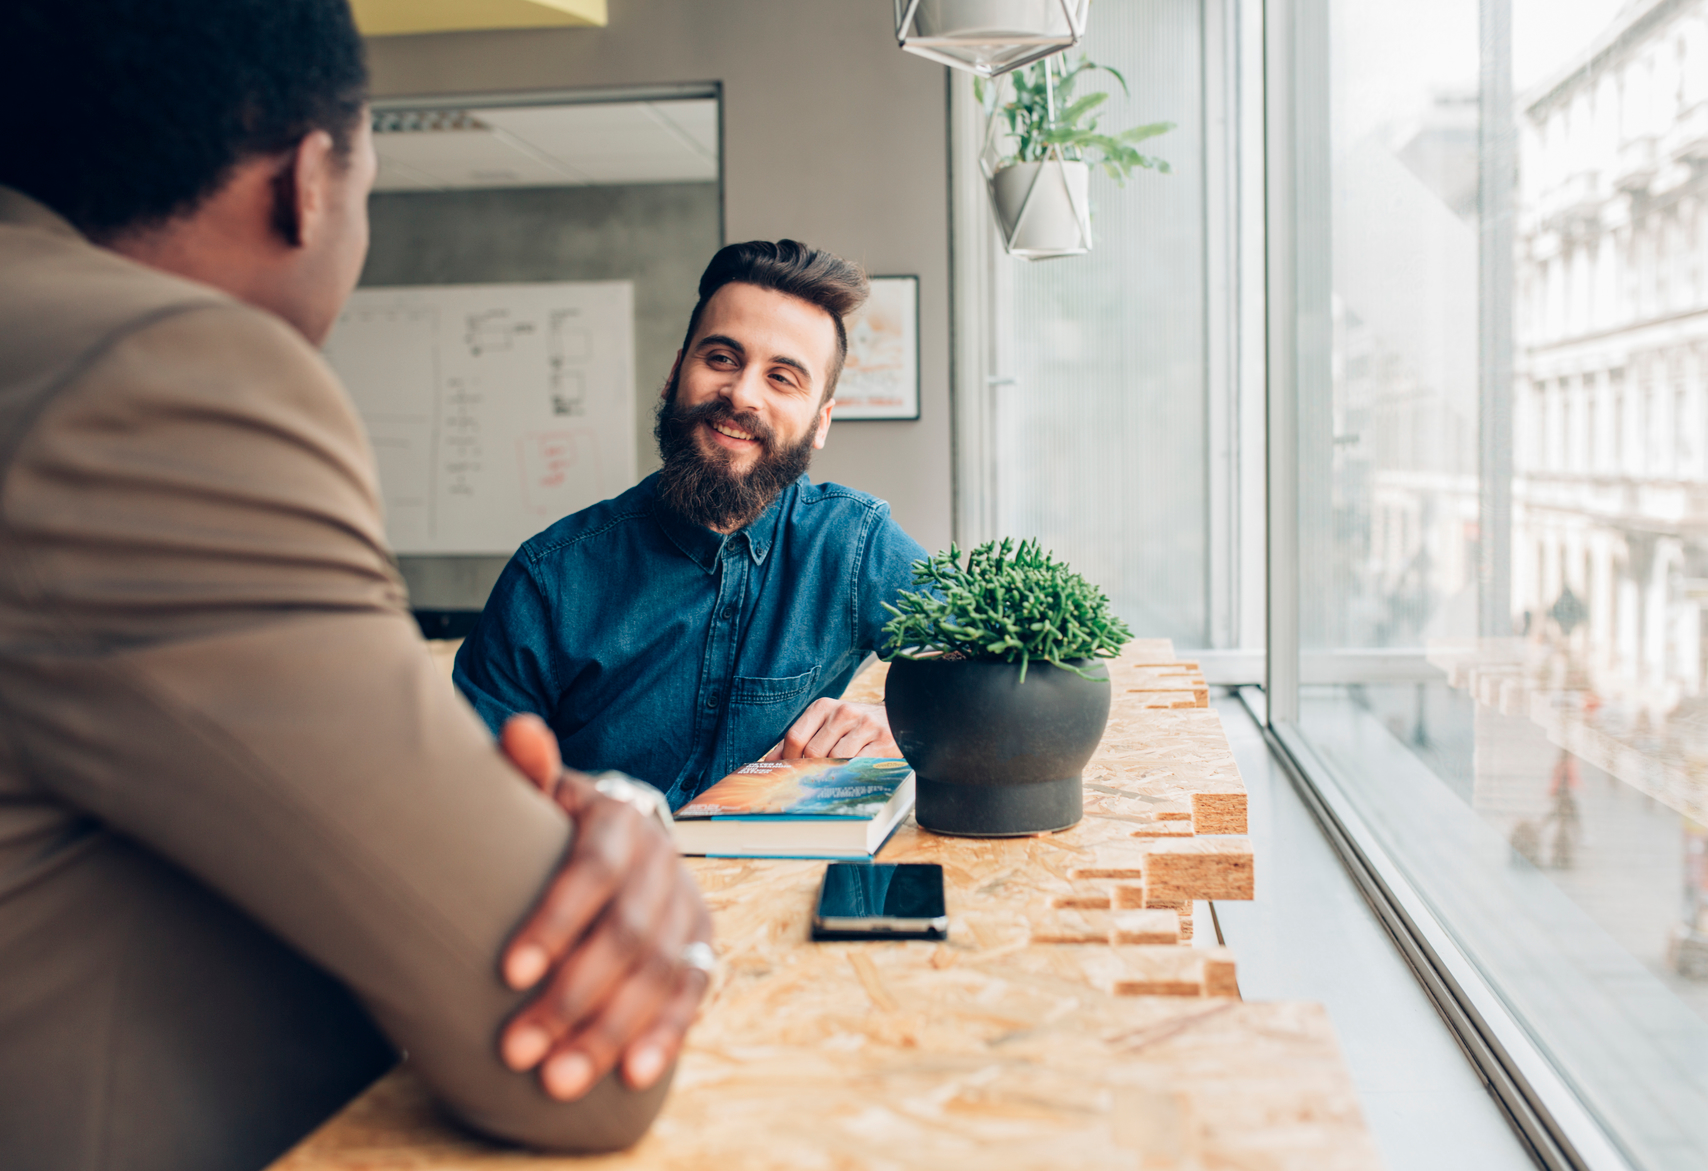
[
  {"x": 414, "y": 121},
  {"x": 989, "y": 37}
]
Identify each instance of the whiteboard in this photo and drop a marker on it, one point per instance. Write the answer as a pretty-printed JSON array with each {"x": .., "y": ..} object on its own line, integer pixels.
[{"x": 493, "y": 410}]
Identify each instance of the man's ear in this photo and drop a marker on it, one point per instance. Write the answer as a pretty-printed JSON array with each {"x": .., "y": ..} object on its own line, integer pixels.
[
  {"x": 302, "y": 189},
  {"x": 675, "y": 369},
  {"x": 823, "y": 424}
]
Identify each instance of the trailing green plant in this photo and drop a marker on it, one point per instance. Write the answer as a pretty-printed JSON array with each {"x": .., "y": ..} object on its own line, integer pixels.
[
  {"x": 1006, "y": 604},
  {"x": 1034, "y": 131}
]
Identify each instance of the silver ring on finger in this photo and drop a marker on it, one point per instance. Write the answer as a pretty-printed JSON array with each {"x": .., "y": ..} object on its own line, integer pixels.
[{"x": 699, "y": 956}]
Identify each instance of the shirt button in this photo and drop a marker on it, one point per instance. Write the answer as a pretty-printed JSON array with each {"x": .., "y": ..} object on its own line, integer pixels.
[
  {"x": 729, "y": 612},
  {"x": 712, "y": 700}
]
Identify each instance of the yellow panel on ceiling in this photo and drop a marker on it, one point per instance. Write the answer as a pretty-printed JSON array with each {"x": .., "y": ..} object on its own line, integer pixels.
[{"x": 385, "y": 18}]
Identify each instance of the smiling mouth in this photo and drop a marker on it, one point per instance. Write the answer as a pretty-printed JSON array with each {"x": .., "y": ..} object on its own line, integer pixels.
[{"x": 732, "y": 432}]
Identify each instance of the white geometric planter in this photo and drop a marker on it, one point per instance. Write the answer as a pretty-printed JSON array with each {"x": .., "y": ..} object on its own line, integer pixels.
[
  {"x": 989, "y": 37},
  {"x": 1043, "y": 209}
]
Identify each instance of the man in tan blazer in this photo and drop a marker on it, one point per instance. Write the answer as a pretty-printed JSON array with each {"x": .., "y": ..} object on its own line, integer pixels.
[{"x": 251, "y": 843}]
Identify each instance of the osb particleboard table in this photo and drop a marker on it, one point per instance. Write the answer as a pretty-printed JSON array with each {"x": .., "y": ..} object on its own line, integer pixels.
[{"x": 995, "y": 1049}]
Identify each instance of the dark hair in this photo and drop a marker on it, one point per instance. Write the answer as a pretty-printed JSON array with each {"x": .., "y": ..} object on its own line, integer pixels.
[
  {"x": 125, "y": 113},
  {"x": 837, "y": 286}
]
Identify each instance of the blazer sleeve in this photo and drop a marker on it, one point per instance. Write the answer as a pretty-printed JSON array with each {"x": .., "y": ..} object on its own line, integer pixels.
[{"x": 211, "y": 652}]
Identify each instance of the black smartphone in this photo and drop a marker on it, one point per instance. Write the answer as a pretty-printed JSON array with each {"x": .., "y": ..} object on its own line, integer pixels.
[{"x": 881, "y": 900}]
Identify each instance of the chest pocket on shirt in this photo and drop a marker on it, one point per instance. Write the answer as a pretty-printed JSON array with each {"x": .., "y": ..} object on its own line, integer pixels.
[{"x": 760, "y": 710}]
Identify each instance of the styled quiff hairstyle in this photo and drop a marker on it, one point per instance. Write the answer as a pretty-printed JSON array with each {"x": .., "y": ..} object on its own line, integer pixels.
[{"x": 837, "y": 286}]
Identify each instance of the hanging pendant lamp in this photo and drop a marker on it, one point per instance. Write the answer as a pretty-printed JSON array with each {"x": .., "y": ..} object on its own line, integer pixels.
[{"x": 989, "y": 37}]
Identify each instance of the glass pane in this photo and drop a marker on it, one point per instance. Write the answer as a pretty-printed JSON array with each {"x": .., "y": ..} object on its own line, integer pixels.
[
  {"x": 1503, "y": 492},
  {"x": 525, "y": 194},
  {"x": 1098, "y": 431}
]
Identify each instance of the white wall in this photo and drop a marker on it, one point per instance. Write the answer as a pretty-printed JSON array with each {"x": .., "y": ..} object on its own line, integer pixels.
[{"x": 832, "y": 135}]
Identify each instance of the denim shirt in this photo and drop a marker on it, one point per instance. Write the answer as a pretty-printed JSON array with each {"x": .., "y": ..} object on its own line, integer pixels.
[{"x": 678, "y": 654}]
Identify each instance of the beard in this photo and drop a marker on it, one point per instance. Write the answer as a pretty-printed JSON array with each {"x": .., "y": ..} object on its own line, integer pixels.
[{"x": 702, "y": 485}]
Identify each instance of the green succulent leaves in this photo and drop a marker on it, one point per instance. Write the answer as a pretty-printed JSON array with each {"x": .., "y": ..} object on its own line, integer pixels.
[
  {"x": 1007, "y": 604},
  {"x": 1074, "y": 129}
]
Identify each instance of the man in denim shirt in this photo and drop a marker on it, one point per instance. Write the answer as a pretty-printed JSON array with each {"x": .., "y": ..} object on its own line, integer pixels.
[{"x": 686, "y": 627}]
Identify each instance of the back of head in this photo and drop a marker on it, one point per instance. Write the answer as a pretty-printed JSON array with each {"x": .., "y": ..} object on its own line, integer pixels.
[
  {"x": 139, "y": 109},
  {"x": 837, "y": 286}
]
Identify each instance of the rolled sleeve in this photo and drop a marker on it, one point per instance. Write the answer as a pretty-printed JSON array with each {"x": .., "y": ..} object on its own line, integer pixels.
[
  {"x": 885, "y": 571},
  {"x": 505, "y": 665}
]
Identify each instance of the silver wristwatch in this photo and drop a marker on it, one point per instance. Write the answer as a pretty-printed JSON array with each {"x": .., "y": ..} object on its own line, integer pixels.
[{"x": 641, "y": 796}]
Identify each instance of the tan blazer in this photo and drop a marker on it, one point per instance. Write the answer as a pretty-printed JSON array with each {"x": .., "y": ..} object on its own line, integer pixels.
[{"x": 233, "y": 790}]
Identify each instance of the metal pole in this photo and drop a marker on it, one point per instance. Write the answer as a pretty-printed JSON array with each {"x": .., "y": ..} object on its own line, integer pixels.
[
  {"x": 1498, "y": 165},
  {"x": 1281, "y": 400}
]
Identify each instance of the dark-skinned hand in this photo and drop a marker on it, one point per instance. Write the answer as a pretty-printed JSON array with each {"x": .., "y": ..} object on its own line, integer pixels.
[{"x": 604, "y": 944}]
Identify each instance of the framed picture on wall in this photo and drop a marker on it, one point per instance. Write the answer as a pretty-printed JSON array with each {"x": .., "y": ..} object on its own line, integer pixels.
[{"x": 881, "y": 377}]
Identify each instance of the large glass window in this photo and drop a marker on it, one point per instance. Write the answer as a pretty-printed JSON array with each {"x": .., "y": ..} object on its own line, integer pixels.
[
  {"x": 1452, "y": 257},
  {"x": 1495, "y": 274}
]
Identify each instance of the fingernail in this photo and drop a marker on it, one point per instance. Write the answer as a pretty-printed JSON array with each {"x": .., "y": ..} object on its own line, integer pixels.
[
  {"x": 525, "y": 966},
  {"x": 644, "y": 1066},
  {"x": 524, "y": 1047},
  {"x": 567, "y": 1076}
]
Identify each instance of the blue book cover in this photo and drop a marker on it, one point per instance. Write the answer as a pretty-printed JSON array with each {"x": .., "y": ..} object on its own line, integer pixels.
[
  {"x": 799, "y": 809},
  {"x": 803, "y": 788}
]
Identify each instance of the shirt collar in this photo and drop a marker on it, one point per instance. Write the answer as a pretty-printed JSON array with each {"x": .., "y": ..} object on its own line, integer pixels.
[
  {"x": 18, "y": 208},
  {"x": 704, "y": 547}
]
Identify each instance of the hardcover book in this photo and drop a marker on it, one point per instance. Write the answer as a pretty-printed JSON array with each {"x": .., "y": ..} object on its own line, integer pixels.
[{"x": 799, "y": 809}]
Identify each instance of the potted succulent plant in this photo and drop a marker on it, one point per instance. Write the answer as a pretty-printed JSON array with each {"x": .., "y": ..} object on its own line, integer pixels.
[
  {"x": 1039, "y": 150},
  {"x": 995, "y": 692}
]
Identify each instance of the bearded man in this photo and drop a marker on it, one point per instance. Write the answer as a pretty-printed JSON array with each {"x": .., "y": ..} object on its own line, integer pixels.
[{"x": 709, "y": 615}]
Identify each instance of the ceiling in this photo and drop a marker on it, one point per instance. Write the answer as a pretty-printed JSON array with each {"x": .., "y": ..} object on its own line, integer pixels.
[{"x": 578, "y": 145}]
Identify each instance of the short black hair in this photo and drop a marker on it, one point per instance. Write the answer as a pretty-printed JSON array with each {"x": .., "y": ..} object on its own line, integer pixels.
[
  {"x": 127, "y": 113},
  {"x": 837, "y": 286}
]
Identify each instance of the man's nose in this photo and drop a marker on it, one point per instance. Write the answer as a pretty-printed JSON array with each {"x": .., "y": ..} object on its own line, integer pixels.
[{"x": 746, "y": 392}]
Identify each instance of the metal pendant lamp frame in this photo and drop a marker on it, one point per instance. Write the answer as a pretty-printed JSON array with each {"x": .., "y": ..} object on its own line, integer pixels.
[
  {"x": 989, "y": 56},
  {"x": 1053, "y": 163}
]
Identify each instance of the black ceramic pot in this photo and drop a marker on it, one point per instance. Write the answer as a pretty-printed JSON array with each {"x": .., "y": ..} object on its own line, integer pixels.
[{"x": 992, "y": 756}]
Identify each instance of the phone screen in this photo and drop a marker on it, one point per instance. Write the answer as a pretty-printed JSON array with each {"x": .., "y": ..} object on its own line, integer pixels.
[{"x": 893, "y": 899}]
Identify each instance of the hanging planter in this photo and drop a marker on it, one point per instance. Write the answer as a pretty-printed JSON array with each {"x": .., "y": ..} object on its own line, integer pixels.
[
  {"x": 1039, "y": 149},
  {"x": 989, "y": 37},
  {"x": 1043, "y": 209}
]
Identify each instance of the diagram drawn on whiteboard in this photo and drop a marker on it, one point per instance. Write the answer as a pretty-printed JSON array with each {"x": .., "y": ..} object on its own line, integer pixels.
[{"x": 494, "y": 410}]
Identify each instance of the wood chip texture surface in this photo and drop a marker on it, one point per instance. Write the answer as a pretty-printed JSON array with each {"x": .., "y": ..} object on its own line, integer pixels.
[{"x": 983, "y": 1051}]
